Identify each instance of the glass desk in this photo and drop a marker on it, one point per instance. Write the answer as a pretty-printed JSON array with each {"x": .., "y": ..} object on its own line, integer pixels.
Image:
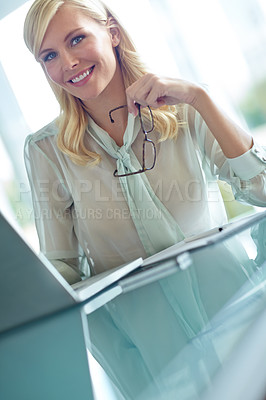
[
  {"x": 186, "y": 324},
  {"x": 43, "y": 328},
  {"x": 191, "y": 325}
]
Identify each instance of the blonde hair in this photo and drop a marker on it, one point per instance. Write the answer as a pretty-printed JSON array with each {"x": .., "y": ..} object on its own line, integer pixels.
[{"x": 73, "y": 120}]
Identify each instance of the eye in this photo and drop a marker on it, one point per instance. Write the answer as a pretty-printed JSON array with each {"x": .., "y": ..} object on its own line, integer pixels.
[
  {"x": 77, "y": 40},
  {"x": 49, "y": 56}
]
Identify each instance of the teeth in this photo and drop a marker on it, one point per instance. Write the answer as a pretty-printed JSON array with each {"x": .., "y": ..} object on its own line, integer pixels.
[{"x": 79, "y": 78}]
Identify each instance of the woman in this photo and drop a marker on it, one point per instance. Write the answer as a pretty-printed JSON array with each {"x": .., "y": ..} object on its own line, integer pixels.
[{"x": 82, "y": 203}]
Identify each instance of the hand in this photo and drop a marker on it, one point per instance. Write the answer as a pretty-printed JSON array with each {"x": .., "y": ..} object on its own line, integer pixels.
[{"x": 156, "y": 91}]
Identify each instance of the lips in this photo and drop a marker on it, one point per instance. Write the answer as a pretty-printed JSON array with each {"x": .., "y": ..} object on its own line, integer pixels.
[{"x": 79, "y": 78}]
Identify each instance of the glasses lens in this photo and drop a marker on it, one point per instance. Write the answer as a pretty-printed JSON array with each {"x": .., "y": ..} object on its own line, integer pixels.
[
  {"x": 149, "y": 154},
  {"x": 147, "y": 120}
]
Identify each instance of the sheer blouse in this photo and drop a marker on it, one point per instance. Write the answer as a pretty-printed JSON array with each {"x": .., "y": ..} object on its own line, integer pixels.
[{"x": 82, "y": 214}]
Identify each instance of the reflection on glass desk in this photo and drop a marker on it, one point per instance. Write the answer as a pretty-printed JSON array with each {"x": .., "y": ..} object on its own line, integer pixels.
[
  {"x": 195, "y": 332},
  {"x": 43, "y": 328}
]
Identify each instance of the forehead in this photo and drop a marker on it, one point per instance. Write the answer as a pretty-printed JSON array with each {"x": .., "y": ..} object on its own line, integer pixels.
[{"x": 67, "y": 19}]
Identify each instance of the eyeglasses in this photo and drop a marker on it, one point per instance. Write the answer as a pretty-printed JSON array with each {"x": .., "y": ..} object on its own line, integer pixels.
[{"x": 147, "y": 126}]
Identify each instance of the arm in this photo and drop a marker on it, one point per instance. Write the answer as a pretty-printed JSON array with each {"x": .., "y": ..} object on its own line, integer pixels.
[
  {"x": 239, "y": 162},
  {"x": 155, "y": 91},
  {"x": 53, "y": 215},
  {"x": 68, "y": 268},
  {"x": 233, "y": 140},
  {"x": 246, "y": 173}
]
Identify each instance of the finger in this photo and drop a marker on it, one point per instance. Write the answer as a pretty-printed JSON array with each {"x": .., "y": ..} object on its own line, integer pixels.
[
  {"x": 144, "y": 91},
  {"x": 153, "y": 91},
  {"x": 160, "y": 102},
  {"x": 133, "y": 99},
  {"x": 155, "y": 99},
  {"x": 132, "y": 108}
]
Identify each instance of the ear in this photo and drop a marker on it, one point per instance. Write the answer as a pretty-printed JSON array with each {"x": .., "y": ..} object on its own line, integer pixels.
[{"x": 114, "y": 31}]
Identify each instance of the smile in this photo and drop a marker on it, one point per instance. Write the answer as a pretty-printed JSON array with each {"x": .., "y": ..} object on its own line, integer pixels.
[{"x": 83, "y": 76}]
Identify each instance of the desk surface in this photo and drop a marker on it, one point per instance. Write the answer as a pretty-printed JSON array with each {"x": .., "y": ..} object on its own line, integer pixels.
[
  {"x": 173, "y": 337},
  {"x": 178, "y": 328}
]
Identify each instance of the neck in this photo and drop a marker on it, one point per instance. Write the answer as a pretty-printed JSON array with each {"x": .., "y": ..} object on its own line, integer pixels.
[{"x": 113, "y": 96}]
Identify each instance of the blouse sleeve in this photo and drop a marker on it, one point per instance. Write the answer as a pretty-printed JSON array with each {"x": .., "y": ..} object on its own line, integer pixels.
[
  {"x": 246, "y": 174},
  {"x": 52, "y": 204}
]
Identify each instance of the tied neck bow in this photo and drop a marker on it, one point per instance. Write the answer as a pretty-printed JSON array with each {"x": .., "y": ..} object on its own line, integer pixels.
[{"x": 156, "y": 227}]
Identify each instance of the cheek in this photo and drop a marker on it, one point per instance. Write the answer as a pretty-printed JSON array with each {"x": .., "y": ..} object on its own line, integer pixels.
[
  {"x": 110, "y": 58},
  {"x": 52, "y": 72}
]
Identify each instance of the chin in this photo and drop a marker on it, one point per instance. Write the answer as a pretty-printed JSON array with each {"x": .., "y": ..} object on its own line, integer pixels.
[{"x": 93, "y": 95}]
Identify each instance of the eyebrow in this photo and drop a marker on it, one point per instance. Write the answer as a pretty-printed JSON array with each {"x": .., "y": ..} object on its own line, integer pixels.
[{"x": 65, "y": 40}]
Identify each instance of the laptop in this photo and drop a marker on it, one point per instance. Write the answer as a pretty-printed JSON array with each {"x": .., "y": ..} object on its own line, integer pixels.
[{"x": 31, "y": 287}]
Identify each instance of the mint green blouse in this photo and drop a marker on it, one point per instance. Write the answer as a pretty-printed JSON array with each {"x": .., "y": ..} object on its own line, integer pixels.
[{"x": 86, "y": 210}]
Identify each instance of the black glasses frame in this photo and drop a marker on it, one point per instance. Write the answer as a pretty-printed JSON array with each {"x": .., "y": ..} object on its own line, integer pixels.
[{"x": 145, "y": 141}]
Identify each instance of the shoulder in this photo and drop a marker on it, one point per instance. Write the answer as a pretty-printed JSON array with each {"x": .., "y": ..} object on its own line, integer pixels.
[
  {"x": 41, "y": 153},
  {"x": 195, "y": 124},
  {"x": 44, "y": 140},
  {"x": 42, "y": 145},
  {"x": 48, "y": 131}
]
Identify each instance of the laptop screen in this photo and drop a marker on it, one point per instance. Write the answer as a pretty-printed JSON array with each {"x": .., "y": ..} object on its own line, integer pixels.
[{"x": 30, "y": 287}]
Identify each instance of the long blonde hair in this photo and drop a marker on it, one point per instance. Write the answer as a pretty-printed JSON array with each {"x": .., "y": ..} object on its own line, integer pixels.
[{"x": 73, "y": 120}]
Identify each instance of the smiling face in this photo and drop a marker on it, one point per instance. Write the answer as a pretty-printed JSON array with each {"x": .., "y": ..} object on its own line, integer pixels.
[{"x": 78, "y": 54}]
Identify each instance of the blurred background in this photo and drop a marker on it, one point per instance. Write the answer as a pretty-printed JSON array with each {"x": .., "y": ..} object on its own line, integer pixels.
[{"x": 218, "y": 43}]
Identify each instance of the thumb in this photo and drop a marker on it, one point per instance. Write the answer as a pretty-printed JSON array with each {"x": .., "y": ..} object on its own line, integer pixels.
[{"x": 132, "y": 107}]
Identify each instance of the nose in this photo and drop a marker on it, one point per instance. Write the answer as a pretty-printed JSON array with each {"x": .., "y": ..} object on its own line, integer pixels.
[{"x": 69, "y": 60}]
